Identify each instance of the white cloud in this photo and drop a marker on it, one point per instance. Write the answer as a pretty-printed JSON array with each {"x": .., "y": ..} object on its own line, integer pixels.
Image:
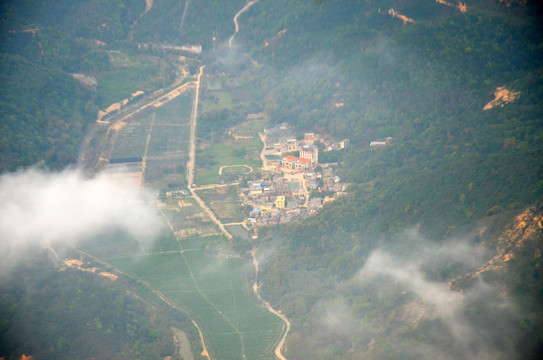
[
  {"x": 463, "y": 314},
  {"x": 38, "y": 208},
  {"x": 401, "y": 297}
]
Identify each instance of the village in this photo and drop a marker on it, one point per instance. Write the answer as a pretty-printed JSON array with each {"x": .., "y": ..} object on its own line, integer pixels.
[{"x": 295, "y": 185}]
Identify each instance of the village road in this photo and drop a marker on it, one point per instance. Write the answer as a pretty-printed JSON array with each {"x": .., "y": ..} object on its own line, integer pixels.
[
  {"x": 244, "y": 9},
  {"x": 192, "y": 160},
  {"x": 256, "y": 290}
]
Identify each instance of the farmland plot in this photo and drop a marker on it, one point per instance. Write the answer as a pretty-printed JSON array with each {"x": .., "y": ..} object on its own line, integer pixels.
[
  {"x": 167, "y": 152},
  {"x": 132, "y": 137},
  {"x": 191, "y": 263},
  {"x": 171, "y": 127},
  {"x": 225, "y": 203},
  {"x": 214, "y": 291}
]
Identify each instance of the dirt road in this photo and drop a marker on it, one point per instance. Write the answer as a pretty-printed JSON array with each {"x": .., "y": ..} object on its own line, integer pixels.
[
  {"x": 265, "y": 152},
  {"x": 281, "y": 343},
  {"x": 193, "y": 123},
  {"x": 244, "y": 9},
  {"x": 192, "y": 159}
]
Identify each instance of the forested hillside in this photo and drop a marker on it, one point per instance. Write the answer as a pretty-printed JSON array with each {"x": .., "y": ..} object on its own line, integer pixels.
[
  {"x": 455, "y": 166},
  {"x": 65, "y": 314},
  {"x": 44, "y": 110},
  {"x": 435, "y": 252}
]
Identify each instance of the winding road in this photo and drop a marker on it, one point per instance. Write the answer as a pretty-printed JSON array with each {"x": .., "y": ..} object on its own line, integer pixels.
[
  {"x": 244, "y": 9},
  {"x": 203, "y": 205},
  {"x": 279, "y": 347}
]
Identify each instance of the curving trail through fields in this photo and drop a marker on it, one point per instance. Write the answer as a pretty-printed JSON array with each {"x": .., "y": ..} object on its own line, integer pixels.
[
  {"x": 158, "y": 293},
  {"x": 281, "y": 343},
  {"x": 236, "y": 24}
]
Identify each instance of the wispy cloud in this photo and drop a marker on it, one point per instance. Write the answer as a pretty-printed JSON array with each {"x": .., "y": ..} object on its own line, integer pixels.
[
  {"x": 403, "y": 298},
  {"x": 39, "y": 208}
]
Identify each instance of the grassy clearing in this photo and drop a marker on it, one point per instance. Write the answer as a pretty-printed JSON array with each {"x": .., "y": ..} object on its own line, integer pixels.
[
  {"x": 228, "y": 152},
  {"x": 216, "y": 101},
  {"x": 250, "y": 128},
  {"x": 241, "y": 147},
  {"x": 223, "y": 193},
  {"x": 129, "y": 74},
  {"x": 228, "y": 212},
  {"x": 238, "y": 230}
]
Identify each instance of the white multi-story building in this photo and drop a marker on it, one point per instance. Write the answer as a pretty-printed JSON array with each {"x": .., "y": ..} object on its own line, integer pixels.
[{"x": 310, "y": 153}]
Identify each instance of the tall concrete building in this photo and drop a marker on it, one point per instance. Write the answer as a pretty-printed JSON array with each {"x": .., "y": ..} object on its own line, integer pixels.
[{"x": 310, "y": 153}]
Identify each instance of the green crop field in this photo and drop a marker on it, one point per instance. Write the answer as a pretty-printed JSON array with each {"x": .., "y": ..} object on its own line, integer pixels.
[
  {"x": 219, "y": 100},
  {"x": 165, "y": 173},
  {"x": 167, "y": 151},
  {"x": 212, "y": 290}
]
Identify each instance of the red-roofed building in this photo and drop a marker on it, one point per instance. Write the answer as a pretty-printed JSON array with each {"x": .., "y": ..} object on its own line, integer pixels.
[
  {"x": 289, "y": 162},
  {"x": 303, "y": 164}
]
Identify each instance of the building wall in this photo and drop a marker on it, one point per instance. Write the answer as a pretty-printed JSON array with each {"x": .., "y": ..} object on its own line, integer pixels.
[{"x": 310, "y": 153}]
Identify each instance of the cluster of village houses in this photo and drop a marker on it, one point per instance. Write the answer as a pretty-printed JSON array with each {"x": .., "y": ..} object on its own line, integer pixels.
[{"x": 284, "y": 195}]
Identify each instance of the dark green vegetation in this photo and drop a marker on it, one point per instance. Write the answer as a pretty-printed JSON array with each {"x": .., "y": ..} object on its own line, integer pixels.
[
  {"x": 45, "y": 111},
  {"x": 450, "y": 163},
  {"x": 69, "y": 314}
]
